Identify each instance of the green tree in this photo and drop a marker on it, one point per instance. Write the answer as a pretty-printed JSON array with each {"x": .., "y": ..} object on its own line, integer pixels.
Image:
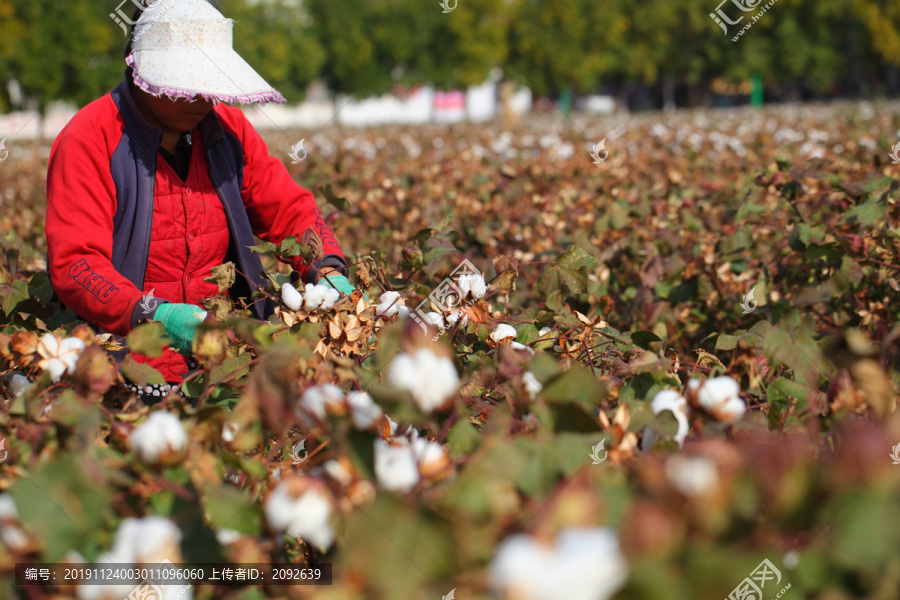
[{"x": 276, "y": 38}]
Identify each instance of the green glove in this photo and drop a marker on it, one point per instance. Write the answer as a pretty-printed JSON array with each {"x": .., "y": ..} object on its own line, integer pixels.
[
  {"x": 338, "y": 282},
  {"x": 180, "y": 321}
]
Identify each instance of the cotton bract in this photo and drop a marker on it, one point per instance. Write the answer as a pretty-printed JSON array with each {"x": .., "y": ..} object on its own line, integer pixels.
[{"x": 429, "y": 378}]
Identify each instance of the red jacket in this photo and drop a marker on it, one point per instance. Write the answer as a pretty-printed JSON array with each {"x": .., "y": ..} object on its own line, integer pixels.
[{"x": 101, "y": 185}]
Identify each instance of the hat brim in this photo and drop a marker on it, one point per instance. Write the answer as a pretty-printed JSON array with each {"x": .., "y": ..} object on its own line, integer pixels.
[{"x": 211, "y": 73}]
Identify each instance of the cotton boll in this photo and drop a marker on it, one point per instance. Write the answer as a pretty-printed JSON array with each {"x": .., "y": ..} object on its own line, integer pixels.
[
  {"x": 227, "y": 537},
  {"x": 228, "y": 432},
  {"x": 472, "y": 286},
  {"x": 338, "y": 472},
  {"x": 533, "y": 387},
  {"x": 544, "y": 331},
  {"x": 403, "y": 311},
  {"x": 301, "y": 507},
  {"x": 430, "y": 379},
  {"x": 388, "y": 304},
  {"x": 56, "y": 368},
  {"x": 692, "y": 476},
  {"x": 18, "y": 384},
  {"x": 8, "y": 508},
  {"x": 148, "y": 539},
  {"x": 674, "y": 402},
  {"x": 431, "y": 457},
  {"x": 503, "y": 332},
  {"x": 320, "y": 400},
  {"x": 291, "y": 297},
  {"x": 330, "y": 299},
  {"x": 583, "y": 564},
  {"x": 453, "y": 317},
  {"x": 719, "y": 397},
  {"x": 11, "y": 533},
  {"x": 59, "y": 357},
  {"x": 518, "y": 346},
  {"x": 160, "y": 440},
  {"x": 396, "y": 469},
  {"x": 434, "y": 319},
  {"x": 363, "y": 411}
]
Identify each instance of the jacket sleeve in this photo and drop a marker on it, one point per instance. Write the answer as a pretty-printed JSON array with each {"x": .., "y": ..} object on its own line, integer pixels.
[
  {"x": 81, "y": 204},
  {"x": 279, "y": 207}
]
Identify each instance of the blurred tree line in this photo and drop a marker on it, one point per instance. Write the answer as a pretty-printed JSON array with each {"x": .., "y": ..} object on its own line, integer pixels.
[{"x": 667, "y": 49}]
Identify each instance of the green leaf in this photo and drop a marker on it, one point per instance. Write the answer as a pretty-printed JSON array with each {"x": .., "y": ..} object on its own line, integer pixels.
[
  {"x": 222, "y": 275},
  {"x": 40, "y": 287},
  {"x": 148, "y": 339},
  {"x": 463, "y": 438},
  {"x": 64, "y": 502},
  {"x": 333, "y": 199},
  {"x": 644, "y": 338},
  {"x": 397, "y": 548},
  {"x": 726, "y": 342},
  {"x": 13, "y": 294},
  {"x": 288, "y": 242},
  {"x": 264, "y": 248},
  {"x": 576, "y": 385},
  {"x": 231, "y": 507}
]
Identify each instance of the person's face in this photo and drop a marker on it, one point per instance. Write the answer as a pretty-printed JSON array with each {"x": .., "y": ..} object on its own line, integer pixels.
[{"x": 176, "y": 115}]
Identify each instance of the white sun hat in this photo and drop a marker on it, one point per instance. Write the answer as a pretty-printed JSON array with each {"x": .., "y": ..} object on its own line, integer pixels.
[{"x": 182, "y": 49}]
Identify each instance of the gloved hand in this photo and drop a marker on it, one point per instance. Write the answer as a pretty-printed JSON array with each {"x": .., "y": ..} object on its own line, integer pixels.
[
  {"x": 180, "y": 321},
  {"x": 338, "y": 282}
]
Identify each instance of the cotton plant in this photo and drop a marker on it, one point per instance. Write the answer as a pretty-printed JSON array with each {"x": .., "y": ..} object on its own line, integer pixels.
[
  {"x": 302, "y": 506},
  {"x": 581, "y": 564},
  {"x": 59, "y": 357},
  {"x": 160, "y": 440},
  {"x": 431, "y": 379}
]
